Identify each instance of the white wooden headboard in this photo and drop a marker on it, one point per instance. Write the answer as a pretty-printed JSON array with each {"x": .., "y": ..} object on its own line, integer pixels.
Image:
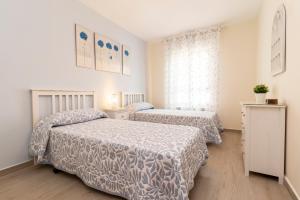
[
  {"x": 130, "y": 98},
  {"x": 60, "y": 100}
]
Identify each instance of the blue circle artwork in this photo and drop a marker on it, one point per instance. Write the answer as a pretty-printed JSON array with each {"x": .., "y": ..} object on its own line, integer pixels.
[
  {"x": 83, "y": 36},
  {"x": 108, "y": 45},
  {"x": 100, "y": 43},
  {"x": 126, "y": 53},
  {"x": 116, "y": 48}
]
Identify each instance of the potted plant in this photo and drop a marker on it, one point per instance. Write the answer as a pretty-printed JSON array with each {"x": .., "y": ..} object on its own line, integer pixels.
[{"x": 260, "y": 93}]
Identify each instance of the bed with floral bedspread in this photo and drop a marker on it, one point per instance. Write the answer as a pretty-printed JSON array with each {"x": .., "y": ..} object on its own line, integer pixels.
[
  {"x": 133, "y": 160},
  {"x": 207, "y": 121}
]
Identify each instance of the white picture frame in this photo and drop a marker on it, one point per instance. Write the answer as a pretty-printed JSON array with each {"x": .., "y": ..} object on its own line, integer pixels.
[
  {"x": 278, "y": 45},
  {"x": 85, "y": 56},
  {"x": 126, "y": 60},
  {"x": 108, "y": 54}
]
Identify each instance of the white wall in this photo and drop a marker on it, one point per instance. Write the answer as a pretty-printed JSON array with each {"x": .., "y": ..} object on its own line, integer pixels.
[
  {"x": 285, "y": 86},
  {"x": 38, "y": 51},
  {"x": 238, "y": 46},
  {"x": 238, "y": 54},
  {"x": 156, "y": 60}
]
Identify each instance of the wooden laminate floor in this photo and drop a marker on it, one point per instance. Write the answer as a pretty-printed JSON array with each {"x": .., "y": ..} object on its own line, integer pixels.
[{"x": 221, "y": 179}]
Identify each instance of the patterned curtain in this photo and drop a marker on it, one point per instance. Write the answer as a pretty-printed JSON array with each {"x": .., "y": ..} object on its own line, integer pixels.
[{"x": 191, "y": 70}]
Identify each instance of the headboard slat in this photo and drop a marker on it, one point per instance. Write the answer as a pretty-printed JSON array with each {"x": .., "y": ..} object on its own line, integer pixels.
[
  {"x": 73, "y": 102},
  {"x": 67, "y": 102},
  {"x": 53, "y": 104},
  {"x": 60, "y": 103},
  {"x": 78, "y": 102},
  {"x": 83, "y": 100}
]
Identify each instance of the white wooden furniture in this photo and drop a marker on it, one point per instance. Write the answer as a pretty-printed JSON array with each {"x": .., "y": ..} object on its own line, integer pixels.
[
  {"x": 130, "y": 98},
  {"x": 263, "y": 139},
  {"x": 59, "y": 100},
  {"x": 118, "y": 114}
]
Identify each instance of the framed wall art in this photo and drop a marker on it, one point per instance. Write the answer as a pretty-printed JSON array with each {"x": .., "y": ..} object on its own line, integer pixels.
[
  {"x": 84, "y": 47},
  {"x": 126, "y": 57},
  {"x": 278, "y": 45},
  {"x": 108, "y": 54}
]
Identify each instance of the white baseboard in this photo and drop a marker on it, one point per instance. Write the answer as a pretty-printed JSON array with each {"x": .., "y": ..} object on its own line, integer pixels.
[{"x": 291, "y": 189}]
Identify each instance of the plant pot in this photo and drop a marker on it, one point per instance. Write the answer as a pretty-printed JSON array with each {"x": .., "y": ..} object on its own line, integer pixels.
[{"x": 260, "y": 98}]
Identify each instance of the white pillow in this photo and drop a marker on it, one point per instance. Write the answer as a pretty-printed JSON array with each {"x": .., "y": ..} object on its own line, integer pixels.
[{"x": 139, "y": 106}]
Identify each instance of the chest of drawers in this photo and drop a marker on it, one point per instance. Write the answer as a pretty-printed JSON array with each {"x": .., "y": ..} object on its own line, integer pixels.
[{"x": 263, "y": 139}]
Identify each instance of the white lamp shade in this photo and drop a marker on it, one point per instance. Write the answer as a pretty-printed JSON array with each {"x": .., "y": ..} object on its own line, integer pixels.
[{"x": 115, "y": 101}]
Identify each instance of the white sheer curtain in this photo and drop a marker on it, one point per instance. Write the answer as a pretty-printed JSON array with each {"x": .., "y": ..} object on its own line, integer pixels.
[{"x": 191, "y": 70}]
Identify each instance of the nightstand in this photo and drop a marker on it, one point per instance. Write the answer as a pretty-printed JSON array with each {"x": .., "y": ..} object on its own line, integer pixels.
[{"x": 117, "y": 114}]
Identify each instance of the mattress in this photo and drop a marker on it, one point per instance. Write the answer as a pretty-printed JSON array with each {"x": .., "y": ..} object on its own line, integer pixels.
[
  {"x": 208, "y": 122},
  {"x": 133, "y": 160}
]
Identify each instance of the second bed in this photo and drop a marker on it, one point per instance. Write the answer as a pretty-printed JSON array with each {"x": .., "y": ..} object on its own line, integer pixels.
[{"x": 139, "y": 110}]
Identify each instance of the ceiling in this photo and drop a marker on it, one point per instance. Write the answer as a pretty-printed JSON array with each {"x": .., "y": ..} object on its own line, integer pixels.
[{"x": 153, "y": 19}]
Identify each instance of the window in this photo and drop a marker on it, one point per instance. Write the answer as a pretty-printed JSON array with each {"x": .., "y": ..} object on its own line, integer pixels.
[{"x": 192, "y": 70}]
